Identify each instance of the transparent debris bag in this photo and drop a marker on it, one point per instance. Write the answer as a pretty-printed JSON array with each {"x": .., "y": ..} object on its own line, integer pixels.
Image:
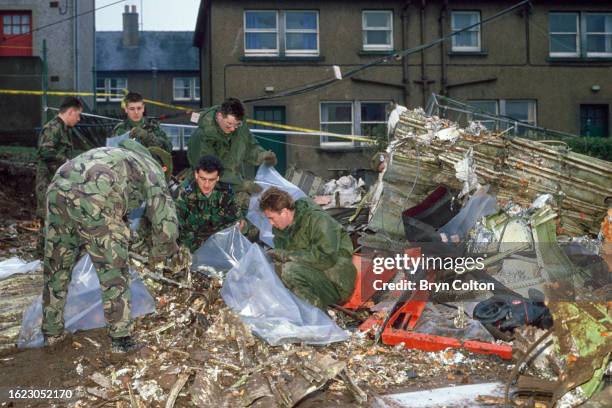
[
  {"x": 259, "y": 297},
  {"x": 222, "y": 250},
  {"x": 15, "y": 265},
  {"x": 115, "y": 140},
  {"x": 479, "y": 205},
  {"x": 83, "y": 310},
  {"x": 268, "y": 177}
]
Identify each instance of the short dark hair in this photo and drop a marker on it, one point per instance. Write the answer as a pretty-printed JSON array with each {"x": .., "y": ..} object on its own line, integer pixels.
[
  {"x": 133, "y": 97},
  {"x": 70, "y": 102},
  {"x": 210, "y": 164},
  {"x": 232, "y": 106},
  {"x": 275, "y": 199}
]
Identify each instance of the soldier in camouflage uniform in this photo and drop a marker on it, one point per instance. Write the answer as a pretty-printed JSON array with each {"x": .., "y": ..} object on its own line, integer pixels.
[
  {"x": 312, "y": 252},
  {"x": 205, "y": 206},
  {"x": 87, "y": 202},
  {"x": 222, "y": 133},
  {"x": 54, "y": 148},
  {"x": 145, "y": 131}
]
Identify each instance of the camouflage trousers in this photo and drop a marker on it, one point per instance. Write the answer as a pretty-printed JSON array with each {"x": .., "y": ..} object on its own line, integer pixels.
[
  {"x": 73, "y": 223},
  {"x": 317, "y": 287},
  {"x": 43, "y": 179}
]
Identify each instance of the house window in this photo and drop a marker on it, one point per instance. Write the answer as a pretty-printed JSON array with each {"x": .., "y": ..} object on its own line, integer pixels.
[
  {"x": 186, "y": 89},
  {"x": 263, "y": 28},
  {"x": 564, "y": 33},
  {"x": 598, "y": 34},
  {"x": 110, "y": 89},
  {"x": 587, "y": 35},
  {"x": 301, "y": 33},
  {"x": 468, "y": 40},
  {"x": 594, "y": 120},
  {"x": 16, "y": 29},
  {"x": 368, "y": 117},
  {"x": 514, "y": 110},
  {"x": 261, "y": 33},
  {"x": 377, "y": 30}
]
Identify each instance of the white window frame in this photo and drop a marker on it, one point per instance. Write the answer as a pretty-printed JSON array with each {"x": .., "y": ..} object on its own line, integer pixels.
[
  {"x": 577, "y": 34},
  {"x": 356, "y": 123},
  {"x": 192, "y": 87},
  {"x": 365, "y": 29},
  {"x": 323, "y": 139},
  {"x": 586, "y": 33},
  {"x": 258, "y": 52},
  {"x": 305, "y": 52},
  {"x": 460, "y": 48},
  {"x": 107, "y": 90}
]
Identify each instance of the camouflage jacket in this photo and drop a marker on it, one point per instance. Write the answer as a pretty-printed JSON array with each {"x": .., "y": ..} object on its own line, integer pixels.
[
  {"x": 54, "y": 146},
  {"x": 234, "y": 149},
  {"x": 149, "y": 133},
  {"x": 109, "y": 182},
  {"x": 201, "y": 216},
  {"x": 314, "y": 238}
]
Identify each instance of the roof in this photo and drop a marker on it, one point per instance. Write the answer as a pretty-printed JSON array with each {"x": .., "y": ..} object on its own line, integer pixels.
[{"x": 163, "y": 50}]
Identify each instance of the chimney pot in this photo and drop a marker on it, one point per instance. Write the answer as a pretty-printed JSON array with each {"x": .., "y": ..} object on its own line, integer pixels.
[
  {"x": 133, "y": 8},
  {"x": 127, "y": 9}
]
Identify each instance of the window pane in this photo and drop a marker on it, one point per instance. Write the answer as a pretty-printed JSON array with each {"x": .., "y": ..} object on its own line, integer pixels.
[
  {"x": 599, "y": 43},
  {"x": 25, "y": 19},
  {"x": 301, "y": 41},
  {"x": 336, "y": 112},
  {"x": 518, "y": 110},
  {"x": 301, "y": 20},
  {"x": 6, "y": 29},
  {"x": 378, "y": 38},
  {"x": 374, "y": 129},
  {"x": 485, "y": 106},
  {"x": 466, "y": 39},
  {"x": 16, "y": 20},
  {"x": 261, "y": 41},
  {"x": 25, "y": 29},
  {"x": 197, "y": 88},
  {"x": 596, "y": 23},
  {"x": 6, "y": 20},
  {"x": 261, "y": 19},
  {"x": 563, "y": 23},
  {"x": 462, "y": 20},
  {"x": 373, "y": 111},
  {"x": 373, "y": 19},
  {"x": 563, "y": 43},
  {"x": 340, "y": 128}
]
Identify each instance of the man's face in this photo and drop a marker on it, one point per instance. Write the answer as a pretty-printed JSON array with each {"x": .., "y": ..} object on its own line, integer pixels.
[
  {"x": 228, "y": 123},
  {"x": 135, "y": 111},
  {"x": 279, "y": 219},
  {"x": 206, "y": 180},
  {"x": 72, "y": 116}
]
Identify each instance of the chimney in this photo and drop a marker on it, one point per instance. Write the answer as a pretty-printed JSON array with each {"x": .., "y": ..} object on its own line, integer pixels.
[{"x": 130, "y": 27}]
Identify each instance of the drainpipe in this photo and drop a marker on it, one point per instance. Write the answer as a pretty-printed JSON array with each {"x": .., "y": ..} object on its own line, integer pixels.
[
  {"x": 442, "y": 23},
  {"x": 405, "y": 66},
  {"x": 75, "y": 45},
  {"x": 424, "y": 82}
]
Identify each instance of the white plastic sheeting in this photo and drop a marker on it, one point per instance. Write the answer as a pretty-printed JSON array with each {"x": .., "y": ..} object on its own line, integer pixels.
[
  {"x": 83, "y": 310},
  {"x": 16, "y": 265}
]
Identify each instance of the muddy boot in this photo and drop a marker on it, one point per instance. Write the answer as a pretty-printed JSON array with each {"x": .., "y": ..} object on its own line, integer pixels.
[
  {"x": 51, "y": 341},
  {"x": 124, "y": 345}
]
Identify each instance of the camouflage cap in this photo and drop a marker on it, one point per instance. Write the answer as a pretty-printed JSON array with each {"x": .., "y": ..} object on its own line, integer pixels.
[{"x": 163, "y": 158}]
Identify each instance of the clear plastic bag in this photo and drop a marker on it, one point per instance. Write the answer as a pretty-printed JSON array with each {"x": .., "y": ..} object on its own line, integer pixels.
[
  {"x": 222, "y": 251},
  {"x": 84, "y": 308},
  {"x": 259, "y": 297},
  {"x": 15, "y": 265},
  {"x": 268, "y": 177},
  {"x": 479, "y": 205},
  {"x": 115, "y": 140}
]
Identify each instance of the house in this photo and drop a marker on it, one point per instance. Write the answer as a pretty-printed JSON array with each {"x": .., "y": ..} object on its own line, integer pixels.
[
  {"x": 160, "y": 65},
  {"x": 545, "y": 63},
  {"x": 59, "y": 32}
]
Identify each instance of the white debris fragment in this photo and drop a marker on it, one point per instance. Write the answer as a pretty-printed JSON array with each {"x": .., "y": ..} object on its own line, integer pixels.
[
  {"x": 16, "y": 265},
  {"x": 79, "y": 369},
  {"x": 149, "y": 390}
]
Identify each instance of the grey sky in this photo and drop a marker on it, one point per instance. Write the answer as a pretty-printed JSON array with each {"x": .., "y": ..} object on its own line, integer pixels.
[{"x": 158, "y": 15}]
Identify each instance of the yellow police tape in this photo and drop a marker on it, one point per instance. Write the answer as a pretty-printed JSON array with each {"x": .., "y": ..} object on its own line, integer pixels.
[{"x": 183, "y": 108}]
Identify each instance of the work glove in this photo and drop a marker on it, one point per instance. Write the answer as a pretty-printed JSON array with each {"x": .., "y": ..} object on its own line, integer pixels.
[
  {"x": 138, "y": 133},
  {"x": 268, "y": 158},
  {"x": 277, "y": 255},
  {"x": 250, "y": 187}
]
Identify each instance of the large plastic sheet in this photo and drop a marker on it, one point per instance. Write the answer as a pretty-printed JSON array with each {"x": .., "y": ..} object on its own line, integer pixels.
[
  {"x": 84, "y": 308},
  {"x": 254, "y": 291},
  {"x": 479, "y": 205},
  {"x": 268, "y": 177},
  {"x": 15, "y": 265},
  {"x": 222, "y": 251}
]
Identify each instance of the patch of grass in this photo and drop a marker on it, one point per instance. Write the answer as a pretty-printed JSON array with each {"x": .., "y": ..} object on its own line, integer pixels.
[
  {"x": 21, "y": 154},
  {"x": 600, "y": 147}
]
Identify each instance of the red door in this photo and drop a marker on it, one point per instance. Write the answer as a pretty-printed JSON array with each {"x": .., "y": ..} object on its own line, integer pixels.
[{"x": 15, "y": 33}]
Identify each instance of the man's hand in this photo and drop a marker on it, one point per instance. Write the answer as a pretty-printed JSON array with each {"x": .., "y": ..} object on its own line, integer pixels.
[
  {"x": 137, "y": 132},
  {"x": 251, "y": 187},
  {"x": 269, "y": 158},
  {"x": 277, "y": 255}
]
